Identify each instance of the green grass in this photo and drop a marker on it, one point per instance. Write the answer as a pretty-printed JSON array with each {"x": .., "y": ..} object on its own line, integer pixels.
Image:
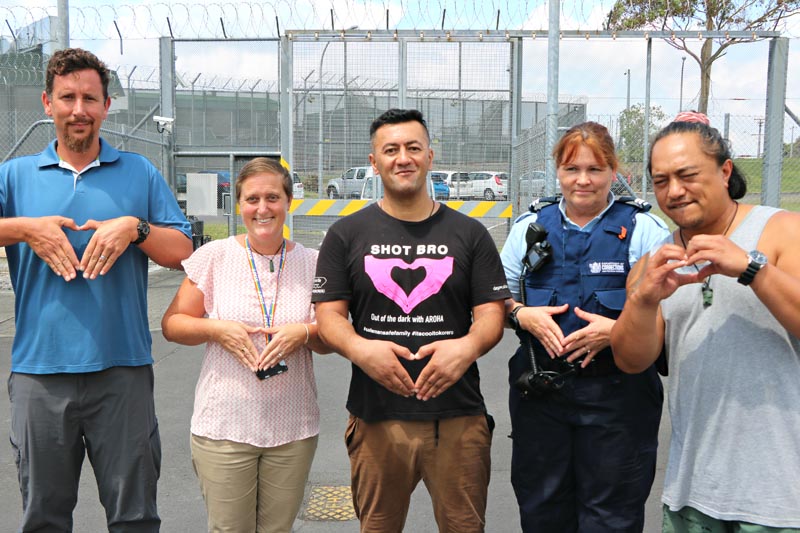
[
  {"x": 752, "y": 170},
  {"x": 220, "y": 230}
]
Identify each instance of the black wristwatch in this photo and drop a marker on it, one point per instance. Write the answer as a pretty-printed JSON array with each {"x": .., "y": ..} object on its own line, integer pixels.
[
  {"x": 512, "y": 317},
  {"x": 757, "y": 261},
  {"x": 144, "y": 230}
]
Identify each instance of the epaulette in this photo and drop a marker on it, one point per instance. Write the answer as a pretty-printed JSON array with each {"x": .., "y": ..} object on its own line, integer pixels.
[
  {"x": 540, "y": 203},
  {"x": 642, "y": 205}
]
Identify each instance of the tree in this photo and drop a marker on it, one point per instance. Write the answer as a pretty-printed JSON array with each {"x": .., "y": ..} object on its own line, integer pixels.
[
  {"x": 631, "y": 131},
  {"x": 702, "y": 15}
]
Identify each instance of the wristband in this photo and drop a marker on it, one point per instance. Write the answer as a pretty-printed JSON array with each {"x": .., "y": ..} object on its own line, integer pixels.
[{"x": 307, "y": 334}]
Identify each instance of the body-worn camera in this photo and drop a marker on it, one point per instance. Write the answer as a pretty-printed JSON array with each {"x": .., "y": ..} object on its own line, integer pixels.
[
  {"x": 539, "y": 249},
  {"x": 541, "y": 382}
]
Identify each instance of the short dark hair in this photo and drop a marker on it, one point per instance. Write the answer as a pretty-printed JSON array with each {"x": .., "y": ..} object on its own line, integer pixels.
[
  {"x": 69, "y": 60},
  {"x": 398, "y": 116},
  {"x": 712, "y": 144}
]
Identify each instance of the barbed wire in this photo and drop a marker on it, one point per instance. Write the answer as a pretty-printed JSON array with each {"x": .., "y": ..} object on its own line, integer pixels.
[
  {"x": 265, "y": 19},
  {"x": 247, "y": 19},
  {"x": 250, "y": 19}
]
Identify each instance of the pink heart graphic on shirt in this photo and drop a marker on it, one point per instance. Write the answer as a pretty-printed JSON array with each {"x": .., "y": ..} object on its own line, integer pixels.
[{"x": 437, "y": 271}]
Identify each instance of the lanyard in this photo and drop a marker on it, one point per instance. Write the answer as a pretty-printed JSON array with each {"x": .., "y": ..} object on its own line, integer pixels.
[{"x": 267, "y": 314}]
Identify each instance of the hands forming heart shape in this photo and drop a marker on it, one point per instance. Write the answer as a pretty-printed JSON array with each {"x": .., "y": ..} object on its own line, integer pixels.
[{"x": 47, "y": 239}]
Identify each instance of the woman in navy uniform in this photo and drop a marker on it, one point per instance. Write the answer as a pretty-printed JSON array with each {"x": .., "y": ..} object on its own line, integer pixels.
[{"x": 584, "y": 434}]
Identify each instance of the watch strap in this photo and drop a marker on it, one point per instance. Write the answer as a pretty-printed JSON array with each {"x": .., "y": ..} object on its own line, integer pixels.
[
  {"x": 512, "y": 316},
  {"x": 747, "y": 277},
  {"x": 757, "y": 261},
  {"x": 143, "y": 228}
]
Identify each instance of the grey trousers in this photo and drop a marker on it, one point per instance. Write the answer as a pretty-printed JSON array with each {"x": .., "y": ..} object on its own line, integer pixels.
[{"x": 56, "y": 419}]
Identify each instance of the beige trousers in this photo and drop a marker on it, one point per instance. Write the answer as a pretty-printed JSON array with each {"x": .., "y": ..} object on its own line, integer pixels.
[{"x": 247, "y": 488}]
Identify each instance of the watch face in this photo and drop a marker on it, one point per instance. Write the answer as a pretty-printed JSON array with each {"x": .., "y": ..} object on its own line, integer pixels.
[
  {"x": 143, "y": 228},
  {"x": 758, "y": 257}
]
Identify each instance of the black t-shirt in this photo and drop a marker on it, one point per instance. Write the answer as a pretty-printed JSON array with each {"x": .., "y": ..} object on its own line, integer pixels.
[{"x": 412, "y": 283}]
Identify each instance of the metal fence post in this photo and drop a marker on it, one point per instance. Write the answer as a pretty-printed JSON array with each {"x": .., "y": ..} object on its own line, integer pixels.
[
  {"x": 646, "y": 151},
  {"x": 773, "y": 134},
  {"x": 285, "y": 101},
  {"x": 166, "y": 59},
  {"x": 551, "y": 129}
]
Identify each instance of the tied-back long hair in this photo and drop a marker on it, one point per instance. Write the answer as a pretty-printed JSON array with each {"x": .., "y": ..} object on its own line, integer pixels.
[{"x": 712, "y": 144}]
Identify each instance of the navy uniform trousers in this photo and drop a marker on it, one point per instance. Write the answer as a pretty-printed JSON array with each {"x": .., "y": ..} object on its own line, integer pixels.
[{"x": 584, "y": 457}]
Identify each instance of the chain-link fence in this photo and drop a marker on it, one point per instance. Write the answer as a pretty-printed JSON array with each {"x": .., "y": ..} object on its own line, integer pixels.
[
  {"x": 337, "y": 87},
  {"x": 745, "y": 136},
  {"x": 340, "y": 87}
]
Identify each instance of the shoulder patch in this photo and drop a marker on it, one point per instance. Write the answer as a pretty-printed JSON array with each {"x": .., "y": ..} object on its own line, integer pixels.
[
  {"x": 633, "y": 201},
  {"x": 540, "y": 203}
]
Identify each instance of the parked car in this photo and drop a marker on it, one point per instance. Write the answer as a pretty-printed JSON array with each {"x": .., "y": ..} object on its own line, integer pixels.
[
  {"x": 488, "y": 185},
  {"x": 621, "y": 186},
  {"x": 532, "y": 184},
  {"x": 180, "y": 190},
  {"x": 180, "y": 183},
  {"x": 440, "y": 189},
  {"x": 298, "y": 190},
  {"x": 456, "y": 182},
  {"x": 223, "y": 185},
  {"x": 349, "y": 184},
  {"x": 367, "y": 192}
]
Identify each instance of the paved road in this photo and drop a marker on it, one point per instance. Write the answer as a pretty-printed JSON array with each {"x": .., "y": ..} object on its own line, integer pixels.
[{"x": 180, "y": 503}]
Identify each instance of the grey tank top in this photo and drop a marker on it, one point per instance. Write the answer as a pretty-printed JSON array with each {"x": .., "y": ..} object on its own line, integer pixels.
[{"x": 734, "y": 401}]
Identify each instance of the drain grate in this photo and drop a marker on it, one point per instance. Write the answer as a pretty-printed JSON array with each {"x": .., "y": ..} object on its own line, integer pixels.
[{"x": 330, "y": 503}]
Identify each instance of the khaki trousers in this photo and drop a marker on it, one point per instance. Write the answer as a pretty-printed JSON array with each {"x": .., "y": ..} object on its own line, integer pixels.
[
  {"x": 451, "y": 456},
  {"x": 247, "y": 488}
]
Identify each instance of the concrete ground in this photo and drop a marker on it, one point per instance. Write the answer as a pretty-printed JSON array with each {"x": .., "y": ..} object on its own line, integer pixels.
[{"x": 180, "y": 504}]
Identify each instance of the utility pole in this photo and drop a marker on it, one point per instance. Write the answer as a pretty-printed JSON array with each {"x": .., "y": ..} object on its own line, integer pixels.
[
  {"x": 621, "y": 142},
  {"x": 680, "y": 100},
  {"x": 760, "y": 122},
  {"x": 628, "y": 97}
]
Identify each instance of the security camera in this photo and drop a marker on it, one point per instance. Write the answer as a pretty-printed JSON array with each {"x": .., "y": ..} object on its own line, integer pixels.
[{"x": 163, "y": 123}]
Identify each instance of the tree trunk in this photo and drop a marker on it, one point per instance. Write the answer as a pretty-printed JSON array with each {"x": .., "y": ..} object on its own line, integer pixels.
[{"x": 705, "y": 76}]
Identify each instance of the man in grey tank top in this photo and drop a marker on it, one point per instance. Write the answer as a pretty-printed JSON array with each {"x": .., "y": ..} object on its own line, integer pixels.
[{"x": 720, "y": 298}]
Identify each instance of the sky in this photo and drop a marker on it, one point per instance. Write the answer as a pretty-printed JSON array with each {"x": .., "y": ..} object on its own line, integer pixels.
[{"x": 592, "y": 71}]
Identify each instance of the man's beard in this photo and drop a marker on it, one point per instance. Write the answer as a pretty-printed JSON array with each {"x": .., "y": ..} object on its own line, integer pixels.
[{"x": 79, "y": 145}]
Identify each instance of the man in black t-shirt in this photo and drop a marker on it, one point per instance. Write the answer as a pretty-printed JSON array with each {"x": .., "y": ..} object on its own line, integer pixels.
[{"x": 425, "y": 288}]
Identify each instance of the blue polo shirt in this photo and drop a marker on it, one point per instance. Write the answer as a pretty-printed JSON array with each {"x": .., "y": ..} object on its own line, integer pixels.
[{"x": 83, "y": 325}]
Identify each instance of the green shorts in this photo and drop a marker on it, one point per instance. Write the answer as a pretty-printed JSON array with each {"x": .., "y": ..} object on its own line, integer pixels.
[{"x": 690, "y": 520}]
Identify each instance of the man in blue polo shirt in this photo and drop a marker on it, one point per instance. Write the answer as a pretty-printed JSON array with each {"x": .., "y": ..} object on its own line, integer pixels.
[{"x": 79, "y": 222}]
